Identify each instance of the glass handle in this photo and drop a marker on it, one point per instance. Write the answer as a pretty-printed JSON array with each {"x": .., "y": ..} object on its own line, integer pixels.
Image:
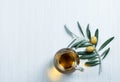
[{"x": 79, "y": 68}]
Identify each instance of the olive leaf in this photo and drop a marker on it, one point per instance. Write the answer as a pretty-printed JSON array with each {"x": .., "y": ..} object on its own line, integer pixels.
[
  {"x": 96, "y": 35},
  {"x": 69, "y": 32},
  {"x": 82, "y": 43},
  {"x": 80, "y": 29},
  {"x": 88, "y": 56},
  {"x": 104, "y": 54},
  {"x": 93, "y": 58},
  {"x": 72, "y": 42},
  {"x": 90, "y": 64},
  {"x": 88, "y": 32},
  {"x": 86, "y": 45},
  {"x": 82, "y": 53},
  {"x": 77, "y": 43},
  {"x": 106, "y": 43},
  {"x": 92, "y": 61}
]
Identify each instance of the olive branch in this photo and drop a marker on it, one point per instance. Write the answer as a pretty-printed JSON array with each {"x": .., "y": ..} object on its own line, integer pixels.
[{"x": 91, "y": 53}]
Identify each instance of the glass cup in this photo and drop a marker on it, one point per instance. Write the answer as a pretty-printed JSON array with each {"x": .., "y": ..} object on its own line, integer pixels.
[{"x": 66, "y": 60}]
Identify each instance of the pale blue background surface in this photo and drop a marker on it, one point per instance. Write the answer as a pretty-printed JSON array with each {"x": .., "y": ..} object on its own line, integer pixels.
[{"x": 31, "y": 31}]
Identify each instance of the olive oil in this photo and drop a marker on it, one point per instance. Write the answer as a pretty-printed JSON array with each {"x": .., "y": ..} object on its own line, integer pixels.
[{"x": 66, "y": 60}]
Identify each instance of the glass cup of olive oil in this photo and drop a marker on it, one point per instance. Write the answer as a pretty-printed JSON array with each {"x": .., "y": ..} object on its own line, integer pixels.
[{"x": 66, "y": 60}]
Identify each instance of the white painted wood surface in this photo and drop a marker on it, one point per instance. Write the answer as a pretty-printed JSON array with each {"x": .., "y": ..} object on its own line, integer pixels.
[{"x": 31, "y": 31}]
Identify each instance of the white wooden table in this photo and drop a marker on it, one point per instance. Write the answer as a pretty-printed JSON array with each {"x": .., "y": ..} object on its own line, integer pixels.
[{"x": 31, "y": 31}]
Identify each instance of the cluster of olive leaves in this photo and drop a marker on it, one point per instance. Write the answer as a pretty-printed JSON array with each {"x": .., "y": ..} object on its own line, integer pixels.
[{"x": 93, "y": 58}]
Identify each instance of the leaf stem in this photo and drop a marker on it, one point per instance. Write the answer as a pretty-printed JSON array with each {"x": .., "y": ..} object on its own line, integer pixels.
[
  {"x": 100, "y": 65},
  {"x": 80, "y": 69}
]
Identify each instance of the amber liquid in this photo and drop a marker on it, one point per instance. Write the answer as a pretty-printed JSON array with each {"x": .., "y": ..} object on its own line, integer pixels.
[{"x": 67, "y": 60}]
